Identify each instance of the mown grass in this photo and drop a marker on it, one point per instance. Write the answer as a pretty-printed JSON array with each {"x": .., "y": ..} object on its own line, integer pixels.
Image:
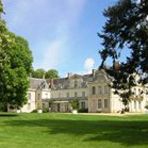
[{"x": 72, "y": 131}]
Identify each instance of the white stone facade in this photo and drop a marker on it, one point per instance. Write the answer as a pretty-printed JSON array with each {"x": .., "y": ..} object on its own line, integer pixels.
[{"x": 92, "y": 91}]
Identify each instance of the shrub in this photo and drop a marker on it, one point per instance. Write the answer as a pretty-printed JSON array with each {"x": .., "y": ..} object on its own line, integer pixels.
[
  {"x": 34, "y": 111},
  {"x": 83, "y": 110},
  {"x": 45, "y": 110},
  {"x": 74, "y": 104},
  {"x": 146, "y": 106}
]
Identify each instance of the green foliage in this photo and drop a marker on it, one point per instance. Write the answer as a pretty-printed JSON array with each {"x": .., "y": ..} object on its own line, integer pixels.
[
  {"x": 74, "y": 104},
  {"x": 34, "y": 111},
  {"x": 51, "y": 74},
  {"x": 126, "y": 28},
  {"x": 41, "y": 73},
  {"x": 45, "y": 110},
  {"x": 1, "y": 8},
  {"x": 38, "y": 73},
  {"x": 15, "y": 66}
]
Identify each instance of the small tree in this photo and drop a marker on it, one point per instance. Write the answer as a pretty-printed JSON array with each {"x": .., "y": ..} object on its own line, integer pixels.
[
  {"x": 75, "y": 104},
  {"x": 51, "y": 74},
  {"x": 38, "y": 73}
]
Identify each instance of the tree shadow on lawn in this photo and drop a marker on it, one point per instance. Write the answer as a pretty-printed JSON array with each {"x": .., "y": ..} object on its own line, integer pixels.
[
  {"x": 8, "y": 114},
  {"x": 127, "y": 133}
]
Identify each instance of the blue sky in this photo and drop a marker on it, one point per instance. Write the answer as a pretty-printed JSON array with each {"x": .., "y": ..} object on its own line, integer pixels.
[{"x": 62, "y": 34}]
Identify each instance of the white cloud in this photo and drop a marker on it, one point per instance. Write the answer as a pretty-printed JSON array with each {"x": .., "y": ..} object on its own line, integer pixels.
[
  {"x": 52, "y": 55},
  {"x": 89, "y": 64},
  {"x": 49, "y": 21}
]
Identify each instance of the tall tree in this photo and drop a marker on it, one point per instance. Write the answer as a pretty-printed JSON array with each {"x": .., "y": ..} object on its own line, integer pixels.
[
  {"x": 41, "y": 73},
  {"x": 15, "y": 66},
  {"x": 38, "y": 73},
  {"x": 126, "y": 28},
  {"x": 51, "y": 74}
]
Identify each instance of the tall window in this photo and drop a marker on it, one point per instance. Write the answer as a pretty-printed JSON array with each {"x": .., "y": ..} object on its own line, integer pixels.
[
  {"x": 139, "y": 102},
  {"x": 105, "y": 103},
  {"x": 134, "y": 104},
  {"x": 93, "y": 90},
  {"x": 83, "y": 94},
  {"x": 83, "y": 105},
  {"x": 76, "y": 94},
  {"x": 39, "y": 97},
  {"x": 99, "y": 89},
  {"x": 106, "y": 89},
  {"x": 46, "y": 95},
  {"x": 75, "y": 84},
  {"x": 99, "y": 103},
  {"x": 68, "y": 95},
  {"x": 59, "y": 94}
]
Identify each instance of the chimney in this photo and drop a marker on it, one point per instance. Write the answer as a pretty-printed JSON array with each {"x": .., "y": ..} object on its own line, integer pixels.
[
  {"x": 69, "y": 75},
  {"x": 93, "y": 72},
  {"x": 51, "y": 83}
]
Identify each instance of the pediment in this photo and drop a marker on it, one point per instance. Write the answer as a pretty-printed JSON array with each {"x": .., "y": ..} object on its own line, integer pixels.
[{"x": 101, "y": 76}]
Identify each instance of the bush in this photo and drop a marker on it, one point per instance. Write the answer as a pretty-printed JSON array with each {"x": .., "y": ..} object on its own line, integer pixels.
[
  {"x": 3, "y": 107},
  {"x": 83, "y": 110},
  {"x": 34, "y": 111},
  {"x": 45, "y": 110},
  {"x": 146, "y": 106},
  {"x": 75, "y": 104}
]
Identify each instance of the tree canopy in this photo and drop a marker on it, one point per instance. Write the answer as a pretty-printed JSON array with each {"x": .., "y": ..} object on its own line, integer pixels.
[
  {"x": 41, "y": 73},
  {"x": 52, "y": 74},
  {"x": 126, "y": 28},
  {"x": 15, "y": 66},
  {"x": 38, "y": 73}
]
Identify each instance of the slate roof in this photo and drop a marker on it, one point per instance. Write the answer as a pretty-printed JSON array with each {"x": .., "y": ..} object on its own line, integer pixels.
[
  {"x": 38, "y": 83},
  {"x": 65, "y": 83}
]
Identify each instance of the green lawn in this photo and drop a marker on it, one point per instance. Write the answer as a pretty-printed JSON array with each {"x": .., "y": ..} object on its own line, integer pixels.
[{"x": 72, "y": 131}]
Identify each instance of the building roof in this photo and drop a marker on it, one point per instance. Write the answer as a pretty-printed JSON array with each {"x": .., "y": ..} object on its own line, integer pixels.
[
  {"x": 69, "y": 81},
  {"x": 36, "y": 83}
]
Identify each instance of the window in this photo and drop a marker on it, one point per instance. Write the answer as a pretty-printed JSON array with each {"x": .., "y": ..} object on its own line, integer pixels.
[
  {"x": 105, "y": 103},
  {"x": 46, "y": 95},
  {"x": 39, "y": 97},
  {"x": 59, "y": 95},
  {"x": 134, "y": 104},
  {"x": 99, "y": 103},
  {"x": 93, "y": 90},
  {"x": 99, "y": 90},
  {"x": 75, "y": 84},
  {"x": 83, "y": 105},
  {"x": 83, "y": 94},
  {"x": 106, "y": 89},
  {"x": 139, "y": 103},
  {"x": 75, "y": 94},
  {"x": 68, "y": 95}
]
